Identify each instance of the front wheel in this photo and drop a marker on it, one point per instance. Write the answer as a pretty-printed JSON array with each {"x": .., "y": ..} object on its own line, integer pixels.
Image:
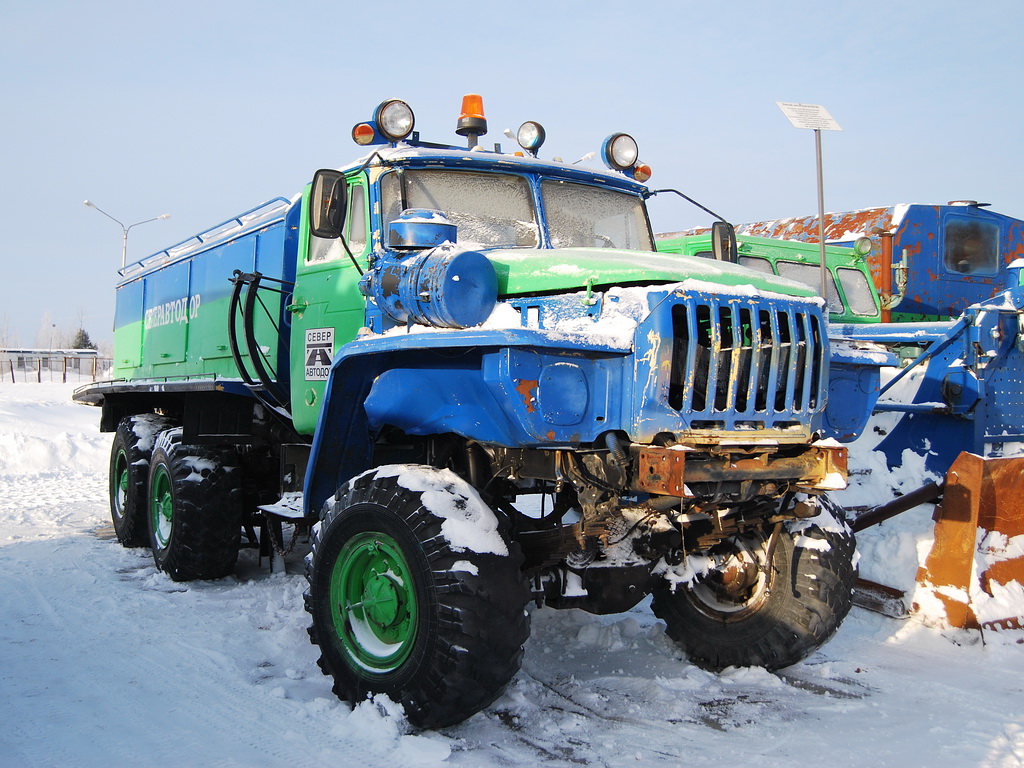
[
  {"x": 195, "y": 508},
  {"x": 751, "y": 612},
  {"x": 415, "y": 592}
]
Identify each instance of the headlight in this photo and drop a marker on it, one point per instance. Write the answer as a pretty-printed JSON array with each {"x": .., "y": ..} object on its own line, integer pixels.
[
  {"x": 620, "y": 151},
  {"x": 862, "y": 246},
  {"x": 394, "y": 119},
  {"x": 531, "y": 136}
]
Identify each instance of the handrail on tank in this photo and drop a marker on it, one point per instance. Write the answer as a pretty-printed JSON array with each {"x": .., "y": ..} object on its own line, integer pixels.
[{"x": 204, "y": 237}]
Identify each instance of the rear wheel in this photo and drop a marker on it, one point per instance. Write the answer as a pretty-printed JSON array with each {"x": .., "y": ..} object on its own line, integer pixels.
[
  {"x": 751, "y": 612},
  {"x": 129, "y": 474},
  {"x": 195, "y": 508},
  {"x": 402, "y": 607}
]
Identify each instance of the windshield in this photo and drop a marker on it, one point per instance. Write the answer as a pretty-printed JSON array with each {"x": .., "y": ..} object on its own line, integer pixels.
[
  {"x": 496, "y": 210},
  {"x": 492, "y": 210},
  {"x": 580, "y": 215}
]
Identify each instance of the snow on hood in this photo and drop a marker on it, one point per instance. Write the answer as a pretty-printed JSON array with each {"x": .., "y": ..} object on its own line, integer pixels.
[{"x": 524, "y": 271}]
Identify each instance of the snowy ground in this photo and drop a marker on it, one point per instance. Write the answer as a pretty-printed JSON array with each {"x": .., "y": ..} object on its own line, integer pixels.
[{"x": 106, "y": 662}]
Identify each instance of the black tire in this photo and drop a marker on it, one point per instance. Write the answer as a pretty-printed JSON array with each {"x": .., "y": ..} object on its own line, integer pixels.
[
  {"x": 130, "y": 453},
  {"x": 785, "y": 615},
  {"x": 194, "y": 508},
  {"x": 452, "y": 634}
]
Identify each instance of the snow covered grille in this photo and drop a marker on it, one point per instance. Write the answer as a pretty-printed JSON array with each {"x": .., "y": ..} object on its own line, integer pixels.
[{"x": 754, "y": 366}]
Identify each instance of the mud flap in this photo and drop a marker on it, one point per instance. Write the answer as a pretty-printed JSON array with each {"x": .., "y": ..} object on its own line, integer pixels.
[{"x": 978, "y": 553}]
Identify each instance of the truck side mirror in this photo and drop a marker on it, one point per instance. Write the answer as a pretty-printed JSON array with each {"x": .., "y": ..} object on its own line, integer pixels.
[
  {"x": 327, "y": 203},
  {"x": 723, "y": 241}
]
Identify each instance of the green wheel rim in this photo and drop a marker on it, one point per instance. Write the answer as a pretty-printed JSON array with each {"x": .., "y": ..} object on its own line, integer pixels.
[
  {"x": 161, "y": 507},
  {"x": 373, "y": 602},
  {"x": 120, "y": 488}
]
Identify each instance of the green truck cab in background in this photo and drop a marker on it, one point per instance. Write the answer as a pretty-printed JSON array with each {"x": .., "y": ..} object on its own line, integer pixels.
[{"x": 852, "y": 296}]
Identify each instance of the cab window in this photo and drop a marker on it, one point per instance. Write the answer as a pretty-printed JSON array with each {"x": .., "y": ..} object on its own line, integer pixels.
[
  {"x": 751, "y": 262},
  {"x": 810, "y": 275},
  {"x": 971, "y": 247},
  {"x": 580, "y": 215},
  {"x": 489, "y": 209},
  {"x": 355, "y": 230},
  {"x": 859, "y": 295},
  {"x": 356, "y": 222}
]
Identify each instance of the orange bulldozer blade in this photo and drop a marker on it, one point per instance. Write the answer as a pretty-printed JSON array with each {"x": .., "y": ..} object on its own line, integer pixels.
[{"x": 978, "y": 554}]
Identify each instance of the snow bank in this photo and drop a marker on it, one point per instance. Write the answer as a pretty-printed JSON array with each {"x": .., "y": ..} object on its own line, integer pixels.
[{"x": 42, "y": 431}]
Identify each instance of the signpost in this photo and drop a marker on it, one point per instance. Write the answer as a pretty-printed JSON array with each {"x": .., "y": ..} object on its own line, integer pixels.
[{"x": 816, "y": 118}]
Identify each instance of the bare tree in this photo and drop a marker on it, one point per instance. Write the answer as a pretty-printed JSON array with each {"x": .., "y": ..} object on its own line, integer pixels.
[
  {"x": 46, "y": 335},
  {"x": 8, "y": 338}
]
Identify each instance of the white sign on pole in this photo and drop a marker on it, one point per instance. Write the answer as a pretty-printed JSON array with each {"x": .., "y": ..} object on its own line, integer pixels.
[
  {"x": 812, "y": 116},
  {"x": 816, "y": 118}
]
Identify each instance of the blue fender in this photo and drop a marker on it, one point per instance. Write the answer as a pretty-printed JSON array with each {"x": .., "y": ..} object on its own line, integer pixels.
[
  {"x": 517, "y": 387},
  {"x": 854, "y": 381}
]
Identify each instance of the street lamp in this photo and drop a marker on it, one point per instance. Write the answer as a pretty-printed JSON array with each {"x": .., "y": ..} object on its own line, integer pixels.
[{"x": 124, "y": 229}]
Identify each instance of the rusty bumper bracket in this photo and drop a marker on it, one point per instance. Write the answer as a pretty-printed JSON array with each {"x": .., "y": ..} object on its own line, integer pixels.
[{"x": 667, "y": 470}]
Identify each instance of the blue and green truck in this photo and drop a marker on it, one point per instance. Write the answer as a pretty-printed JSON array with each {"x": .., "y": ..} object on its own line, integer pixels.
[{"x": 471, "y": 377}]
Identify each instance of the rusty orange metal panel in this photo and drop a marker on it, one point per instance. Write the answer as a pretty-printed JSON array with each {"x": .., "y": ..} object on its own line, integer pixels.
[
  {"x": 981, "y": 496},
  {"x": 838, "y": 226},
  {"x": 527, "y": 389},
  {"x": 661, "y": 470}
]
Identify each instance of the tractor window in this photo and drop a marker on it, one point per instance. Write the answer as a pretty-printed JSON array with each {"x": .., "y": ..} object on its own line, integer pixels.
[
  {"x": 756, "y": 263},
  {"x": 579, "y": 215},
  {"x": 858, "y": 293},
  {"x": 810, "y": 275},
  {"x": 491, "y": 210},
  {"x": 971, "y": 246}
]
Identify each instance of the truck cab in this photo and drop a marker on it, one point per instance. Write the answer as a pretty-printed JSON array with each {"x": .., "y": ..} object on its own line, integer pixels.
[
  {"x": 852, "y": 297},
  {"x": 928, "y": 262}
]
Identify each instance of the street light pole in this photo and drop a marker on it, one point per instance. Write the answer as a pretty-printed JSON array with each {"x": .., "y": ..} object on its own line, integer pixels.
[{"x": 124, "y": 229}]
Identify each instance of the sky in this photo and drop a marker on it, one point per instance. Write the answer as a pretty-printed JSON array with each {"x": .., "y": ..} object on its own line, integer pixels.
[{"x": 202, "y": 110}]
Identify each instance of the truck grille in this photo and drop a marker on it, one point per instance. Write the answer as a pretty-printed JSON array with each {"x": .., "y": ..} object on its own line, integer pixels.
[{"x": 753, "y": 366}]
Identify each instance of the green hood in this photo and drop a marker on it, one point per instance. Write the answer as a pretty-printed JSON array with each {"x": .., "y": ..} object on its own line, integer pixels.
[{"x": 537, "y": 271}]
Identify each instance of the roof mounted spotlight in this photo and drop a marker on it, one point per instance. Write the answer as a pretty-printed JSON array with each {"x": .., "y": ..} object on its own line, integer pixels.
[
  {"x": 394, "y": 120},
  {"x": 620, "y": 152},
  {"x": 472, "y": 122},
  {"x": 531, "y": 136}
]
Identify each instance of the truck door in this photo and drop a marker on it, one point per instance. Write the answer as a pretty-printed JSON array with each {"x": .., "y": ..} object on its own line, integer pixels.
[{"x": 327, "y": 307}]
